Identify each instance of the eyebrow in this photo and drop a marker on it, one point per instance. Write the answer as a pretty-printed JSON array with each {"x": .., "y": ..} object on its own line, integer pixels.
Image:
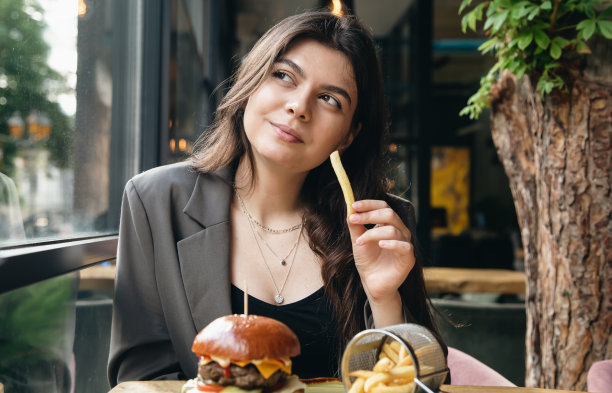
[{"x": 298, "y": 70}]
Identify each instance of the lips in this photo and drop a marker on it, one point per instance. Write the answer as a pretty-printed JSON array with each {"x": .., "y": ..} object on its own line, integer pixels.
[{"x": 286, "y": 133}]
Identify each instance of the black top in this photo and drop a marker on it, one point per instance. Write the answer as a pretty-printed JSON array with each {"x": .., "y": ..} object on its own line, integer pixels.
[{"x": 313, "y": 321}]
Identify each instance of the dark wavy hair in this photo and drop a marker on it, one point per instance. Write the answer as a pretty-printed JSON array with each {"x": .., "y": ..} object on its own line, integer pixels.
[{"x": 225, "y": 142}]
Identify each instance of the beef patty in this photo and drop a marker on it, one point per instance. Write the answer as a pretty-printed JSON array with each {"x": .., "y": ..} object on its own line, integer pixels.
[{"x": 247, "y": 377}]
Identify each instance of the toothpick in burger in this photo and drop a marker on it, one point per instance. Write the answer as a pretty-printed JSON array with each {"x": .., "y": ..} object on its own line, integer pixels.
[{"x": 240, "y": 353}]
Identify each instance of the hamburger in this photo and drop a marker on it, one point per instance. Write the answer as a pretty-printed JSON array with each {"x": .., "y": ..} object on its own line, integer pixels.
[{"x": 240, "y": 353}]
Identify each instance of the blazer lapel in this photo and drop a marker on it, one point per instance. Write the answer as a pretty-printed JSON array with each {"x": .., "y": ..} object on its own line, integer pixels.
[{"x": 204, "y": 256}]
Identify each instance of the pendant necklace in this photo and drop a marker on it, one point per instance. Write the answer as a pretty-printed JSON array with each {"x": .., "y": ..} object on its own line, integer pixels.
[
  {"x": 283, "y": 261},
  {"x": 278, "y": 298}
]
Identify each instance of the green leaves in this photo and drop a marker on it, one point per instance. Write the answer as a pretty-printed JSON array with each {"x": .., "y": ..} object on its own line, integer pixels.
[
  {"x": 527, "y": 37},
  {"x": 524, "y": 39},
  {"x": 587, "y": 28},
  {"x": 605, "y": 27},
  {"x": 541, "y": 39}
]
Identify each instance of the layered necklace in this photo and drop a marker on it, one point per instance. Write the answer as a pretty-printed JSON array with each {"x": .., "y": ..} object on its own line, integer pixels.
[
  {"x": 259, "y": 224},
  {"x": 278, "y": 298}
]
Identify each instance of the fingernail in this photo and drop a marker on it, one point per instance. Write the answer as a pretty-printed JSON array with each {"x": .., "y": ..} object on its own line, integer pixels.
[
  {"x": 354, "y": 218},
  {"x": 359, "y": 240},
  {"x": 383, "y": 243}
]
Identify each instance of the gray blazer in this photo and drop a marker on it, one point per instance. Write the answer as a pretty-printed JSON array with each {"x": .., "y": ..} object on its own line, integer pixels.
[{"x": 173, "y": 273}]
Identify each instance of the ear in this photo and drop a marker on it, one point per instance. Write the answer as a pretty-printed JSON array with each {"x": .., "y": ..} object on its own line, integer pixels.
[{"x": 349, "y": 137}]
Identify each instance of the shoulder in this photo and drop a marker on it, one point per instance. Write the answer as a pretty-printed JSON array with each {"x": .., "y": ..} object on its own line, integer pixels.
[
  {"x": 176, "y": 181},
  {"x": 166, "y": 175},
  {"x": 162, "y": 184},
  {"x": 176, "y": 185}
]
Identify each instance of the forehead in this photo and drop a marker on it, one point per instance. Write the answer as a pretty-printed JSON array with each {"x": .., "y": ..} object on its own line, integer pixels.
[{"x": 322, "y": 63}]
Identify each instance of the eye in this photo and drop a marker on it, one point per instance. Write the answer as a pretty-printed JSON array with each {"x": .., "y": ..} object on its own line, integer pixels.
[
  {"x": 331, "y": 100},
  {"x": 282, "y": 75}
]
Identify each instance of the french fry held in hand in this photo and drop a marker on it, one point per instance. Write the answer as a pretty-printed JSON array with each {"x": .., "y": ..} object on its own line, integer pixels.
[
  {"x": 393, "y": 372},
  {"x": 345, "y": 184}
]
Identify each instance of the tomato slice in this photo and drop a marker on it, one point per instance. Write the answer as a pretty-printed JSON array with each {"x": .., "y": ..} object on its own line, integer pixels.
[{"x": 204, "y": 387}]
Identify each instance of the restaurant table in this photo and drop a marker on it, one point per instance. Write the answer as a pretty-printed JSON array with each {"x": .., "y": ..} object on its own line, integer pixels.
[
  {"x": 437, "y": 280},
  {"x": 97, "y": 278},
  {"x": 468, "y": 280},
  {"x": 330, "y": 387}
]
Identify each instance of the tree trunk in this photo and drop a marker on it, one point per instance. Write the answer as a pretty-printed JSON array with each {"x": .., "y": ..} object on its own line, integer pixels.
[
  {"x": 93, "y": 117},
  {"x": 557, "y": 154}
]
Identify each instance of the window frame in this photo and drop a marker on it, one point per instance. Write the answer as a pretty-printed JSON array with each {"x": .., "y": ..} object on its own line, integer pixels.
[{"x": 28, "y": 264}]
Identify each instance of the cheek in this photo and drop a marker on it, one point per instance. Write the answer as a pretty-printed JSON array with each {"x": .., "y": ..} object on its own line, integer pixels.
[{"x": 259, "y": 103}]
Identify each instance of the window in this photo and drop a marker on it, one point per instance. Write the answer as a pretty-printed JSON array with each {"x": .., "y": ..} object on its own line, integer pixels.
[
  {"x": 96, "y": 78},
  {"x": 56, "y": 116},
  {"x": 71, "y": 120}
]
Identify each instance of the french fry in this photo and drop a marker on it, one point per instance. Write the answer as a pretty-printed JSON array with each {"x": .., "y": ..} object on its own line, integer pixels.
[
  {"x": 357, "y": 386},
  {"x": 394, "y": 372},
  {"x": 405, "y": 361},
  {"x": 403, "y": 353},
  {"x": 383, "y": 365},
  {"x": 402, "y": 372},
  {"x": 374, "y": 380},
  {"x": 343, "y": 179},
  {"x": 391, "y": 353},
  {"x": 362, "y": 373},
  {"x": 405, "y": 388},
  {"x": 396, "y": 346}
]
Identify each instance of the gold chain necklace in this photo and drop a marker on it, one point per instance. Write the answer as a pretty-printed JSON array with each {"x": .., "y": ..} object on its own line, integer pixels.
[
  {"x": 278, "y": 298},
  {"x": 262, "y": 226}
]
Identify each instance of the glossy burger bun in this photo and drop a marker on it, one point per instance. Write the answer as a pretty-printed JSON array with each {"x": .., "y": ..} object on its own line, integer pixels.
[{"x": 244, "y": 338}]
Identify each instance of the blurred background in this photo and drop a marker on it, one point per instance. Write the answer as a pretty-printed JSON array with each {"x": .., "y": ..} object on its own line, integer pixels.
[{"x": 93, "y": 92}]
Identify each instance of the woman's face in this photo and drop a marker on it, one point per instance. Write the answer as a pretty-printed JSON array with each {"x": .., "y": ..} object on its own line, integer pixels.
[{"x": 303, "y": 110}]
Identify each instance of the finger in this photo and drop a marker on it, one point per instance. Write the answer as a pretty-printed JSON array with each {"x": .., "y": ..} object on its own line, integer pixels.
[
  {"x": 378, "y": 233},
  {"x": 355, "y": 230},
  {"x": 405, "y": 249},
  {"x": 381, "y": 217},
  {"x": 369, "y": 204}
]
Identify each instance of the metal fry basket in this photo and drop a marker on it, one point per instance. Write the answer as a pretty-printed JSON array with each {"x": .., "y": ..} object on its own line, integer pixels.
[{"x": 362, "y": 353}]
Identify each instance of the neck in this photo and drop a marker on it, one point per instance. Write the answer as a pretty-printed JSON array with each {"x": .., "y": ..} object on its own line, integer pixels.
[{"x": 272, "y": 196}]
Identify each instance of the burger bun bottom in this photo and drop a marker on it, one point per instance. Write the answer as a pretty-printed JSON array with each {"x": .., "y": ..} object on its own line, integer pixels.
[{"x": 292, "y": 385}]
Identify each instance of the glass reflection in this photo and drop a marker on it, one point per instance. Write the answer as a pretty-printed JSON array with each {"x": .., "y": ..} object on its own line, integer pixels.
[{"x": 36, "y": 336}]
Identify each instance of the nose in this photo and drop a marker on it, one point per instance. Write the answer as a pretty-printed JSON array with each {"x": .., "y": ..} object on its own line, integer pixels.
[{"x": 298, "y": 106}]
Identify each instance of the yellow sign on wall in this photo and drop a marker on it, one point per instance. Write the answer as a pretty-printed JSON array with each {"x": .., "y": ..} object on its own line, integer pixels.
[{"x": 450, "y": 187}]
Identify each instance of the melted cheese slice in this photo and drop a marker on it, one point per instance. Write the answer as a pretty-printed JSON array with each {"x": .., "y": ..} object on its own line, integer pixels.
[{"x": 266, "y": 367}]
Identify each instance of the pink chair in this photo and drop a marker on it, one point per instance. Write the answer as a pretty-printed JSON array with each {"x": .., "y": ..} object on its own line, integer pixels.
[
  {"x": 467, "y": 370},
  {"x": 599, "y": 377}
]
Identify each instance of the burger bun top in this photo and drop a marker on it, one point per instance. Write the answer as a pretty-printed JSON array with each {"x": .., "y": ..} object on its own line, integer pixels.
[{"x": 244, "y": 338}]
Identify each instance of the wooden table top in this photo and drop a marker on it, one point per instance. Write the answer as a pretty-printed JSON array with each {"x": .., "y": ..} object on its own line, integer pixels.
[
  {"x": 464, "y": 280},
  {"x": 175, "y": 387},
  {"x": 437, "y": 280},
  {"x": 332, "y": 387},
  {"x": 96, "y": 278}
]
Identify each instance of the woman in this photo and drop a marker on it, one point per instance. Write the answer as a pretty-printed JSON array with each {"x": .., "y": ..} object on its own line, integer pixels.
[{"x": 258, "y": 203}]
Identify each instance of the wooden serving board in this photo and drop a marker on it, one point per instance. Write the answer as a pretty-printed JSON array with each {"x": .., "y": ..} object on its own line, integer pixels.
[
  {"x": 496, "y": 389},
  {"x": 175, "y": 387},
  {"x": 149, "y": 387},
  {"x": 325, "y": 387}
]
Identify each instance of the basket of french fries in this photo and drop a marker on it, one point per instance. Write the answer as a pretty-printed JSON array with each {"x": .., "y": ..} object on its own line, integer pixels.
[{"x": 404, "y": 358}]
